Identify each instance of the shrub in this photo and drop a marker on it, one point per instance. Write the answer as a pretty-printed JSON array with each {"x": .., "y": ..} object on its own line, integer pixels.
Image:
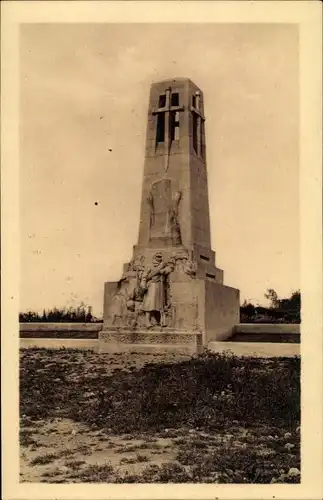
[
  {"x": 207, "y": 392},
  {"x": 80, "y": 314}
]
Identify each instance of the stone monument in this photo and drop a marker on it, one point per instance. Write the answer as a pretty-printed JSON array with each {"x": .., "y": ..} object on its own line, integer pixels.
[{"x": 171, "y": 295}]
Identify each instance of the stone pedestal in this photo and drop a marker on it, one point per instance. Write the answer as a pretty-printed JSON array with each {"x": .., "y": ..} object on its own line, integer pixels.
[
  {"x": 154, "y": 341},
  {"x": 199, "y": 310},
  {"x": 219, "y": 307}
]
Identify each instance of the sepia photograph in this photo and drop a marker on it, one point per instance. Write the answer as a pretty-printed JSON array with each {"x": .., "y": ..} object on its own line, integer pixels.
[
  {"x": 165, "y": 368},
  {"x": 160, "y": 286}
]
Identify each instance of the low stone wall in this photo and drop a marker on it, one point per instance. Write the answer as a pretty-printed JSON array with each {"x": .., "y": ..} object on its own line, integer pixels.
[
  {"x": 59, "y": 330},
  {"x": 268, "y": 327},
  {"x": 253, "y": 349},
  {"x": 267, "y": 332},
  {"x": 244, "y": 332}
]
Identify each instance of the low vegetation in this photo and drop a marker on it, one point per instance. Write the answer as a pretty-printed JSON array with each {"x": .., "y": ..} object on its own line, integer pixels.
[
  {"x": 211, "y": 418},
  {"x": 280, "y": 310}
]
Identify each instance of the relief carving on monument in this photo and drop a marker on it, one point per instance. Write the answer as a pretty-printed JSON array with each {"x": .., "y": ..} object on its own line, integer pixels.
[
  {"x": 156, "y": 304},
  {"x": 184, "y": 262},
  {"x": 143, "y": 295},
  {"x": 173, "y": 218},
  {"x": 190, "y": 267},
  {"x": 128, "y": 292},
  {"x": 150, "y": 201},
  {"x": 163, "y": 206}
]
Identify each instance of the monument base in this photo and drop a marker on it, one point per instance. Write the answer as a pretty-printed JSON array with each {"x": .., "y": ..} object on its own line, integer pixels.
[
  {"x": 220, "y": 310},
  {"x": 112, "y": 340}
]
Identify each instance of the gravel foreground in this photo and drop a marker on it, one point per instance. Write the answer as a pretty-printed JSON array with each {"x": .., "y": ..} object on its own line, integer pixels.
[{"x": 134, "y": 418}]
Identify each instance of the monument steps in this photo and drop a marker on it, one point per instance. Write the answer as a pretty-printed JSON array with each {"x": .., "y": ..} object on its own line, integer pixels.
[
  {"x": 256, "y": 349},
  {"x": 147, "y": 341}
]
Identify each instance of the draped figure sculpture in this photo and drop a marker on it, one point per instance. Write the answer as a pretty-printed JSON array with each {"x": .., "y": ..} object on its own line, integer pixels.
[
  {"x": 154, "y": 284},
  {"x": 164, "y": 212}
]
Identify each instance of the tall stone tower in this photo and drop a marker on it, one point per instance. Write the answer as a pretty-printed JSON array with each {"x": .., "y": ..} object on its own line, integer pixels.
[
  {"x": 171, "y": 293},
  {"x": 175, "y": 162}
]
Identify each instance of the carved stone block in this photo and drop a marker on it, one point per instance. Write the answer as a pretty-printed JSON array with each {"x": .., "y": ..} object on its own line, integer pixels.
[{"x": 124, "y": 340}]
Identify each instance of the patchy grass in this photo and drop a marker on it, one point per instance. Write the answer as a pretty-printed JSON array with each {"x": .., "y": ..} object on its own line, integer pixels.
[
  {"x": 212, "y": 418},
  {"x": 44, "y": 459},
  {"x": 26, "y": 437}
]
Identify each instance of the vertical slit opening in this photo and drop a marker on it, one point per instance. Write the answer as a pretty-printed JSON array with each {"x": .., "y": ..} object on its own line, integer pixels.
[{"x": 160, "y": 132}]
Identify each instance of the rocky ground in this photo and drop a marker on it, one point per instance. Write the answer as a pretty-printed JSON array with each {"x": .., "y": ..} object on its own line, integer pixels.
[{"x": 87, "y": 417}]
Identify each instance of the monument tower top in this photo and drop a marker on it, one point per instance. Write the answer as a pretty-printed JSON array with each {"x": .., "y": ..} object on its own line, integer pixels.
[{"x": 175, "y": 202}]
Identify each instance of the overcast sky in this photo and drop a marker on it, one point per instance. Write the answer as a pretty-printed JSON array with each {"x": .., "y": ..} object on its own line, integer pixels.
[{"x": 84, "y": 98}]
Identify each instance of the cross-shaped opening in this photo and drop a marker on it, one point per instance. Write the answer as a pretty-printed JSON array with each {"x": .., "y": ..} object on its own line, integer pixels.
[
  {"x": 175, "y": 99},
  {"x": 167, "y": 123},
  {"x": 162, "y": 101},
  {"x": 195, "y": 119},
  {"x": 197, "y": 126},
  {"x": 174, "y": 126},
  {"x": 202, "y": 140},
  {"x": 160, "y": 134}
]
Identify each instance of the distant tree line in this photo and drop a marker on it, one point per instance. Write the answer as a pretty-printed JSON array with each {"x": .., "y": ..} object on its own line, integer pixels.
[
  {"x": 280, "y": 310},
  {"x": 80, "y": 314}
]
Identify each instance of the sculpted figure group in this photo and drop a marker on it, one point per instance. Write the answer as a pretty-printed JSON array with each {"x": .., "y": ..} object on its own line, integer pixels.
[{"x": 143, "y": 297}]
